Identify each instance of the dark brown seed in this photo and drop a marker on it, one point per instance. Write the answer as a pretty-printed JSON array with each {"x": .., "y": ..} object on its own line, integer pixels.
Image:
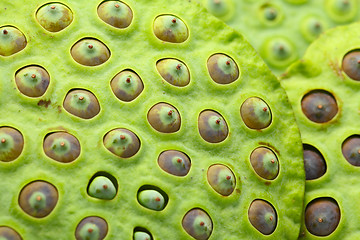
[
  {"x": 38, "y": 198},
  {"x": 61, "y": 146},
  {"x": 322, "y": 216},
  {"x": 170, "y": 28},
  {"x": 90, "y": 52},
  {"x": 164, "y": 118},
  {"x": 262, "y": 216},
  {"x": 351, "y": 64},
  {"x": 54, "y": 17},
  {"x": 12, "y": 40},
  {"x": 81, "y": 103},
  {"x": 32, "y": 81},
  {"x": 174, "y": 162},
  {"x": 197, "y": 223},
  {"x": 11, "y": 144},
  {"x": 127, "y": 85},
  {"x": 265, "y": 163},
  {"x": 115, "y": 13},
  {"x": 319, "y": 106},
  {"x": 91, "y": 228},
  {"x": 255, "y": 113},
  {"x": 122, "y": 142},
  {"x": 351, "y": 150},
  {"x": 212, "y": 126},
  {"x": 315, "y": 165},
  {"x": 7, "y": 233},
  {"x": 222, "y": 69},
  {"x": 221, "y": 179}
]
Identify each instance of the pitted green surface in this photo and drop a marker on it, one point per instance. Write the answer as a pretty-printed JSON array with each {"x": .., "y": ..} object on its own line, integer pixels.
[
  {"x": 294, "y": 23},
  {"x": 138, "y": 49},
  {"x": 341, "y": 180}
]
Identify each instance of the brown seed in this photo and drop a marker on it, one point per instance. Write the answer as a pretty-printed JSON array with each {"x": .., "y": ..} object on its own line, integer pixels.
[
  {"x": 32, "y": 81},
  {"x": 159, "y": 118},
  {"x": 7, "y": 233},
  {"x": 12, "y": 40},
  {"x": 54, "y": 17},
  {"x": 198, "y": 224},
  {"x": 174, "y": 162},
  {"x": 168, "y": 30},
  {"x": 92, "y": 224},
  {"x": 262, "y": 216},
  {"x": 212, "y": 126},
  {"x": 351, "y": 64},
  {"x": 222, "y": 69},
  {"x": 61, "y": 146},
  {"x": 221, "y": 179},
  {"x": 90, "y": 52},
  {"x": 115, "y": 13},
  {"x": 255, "y": 113},
  {"x": 12, "y": 144},
  {"x": 127, "y": 85},
  {"x": 351, "y": 150},
  {"x": 315, "y": 165},
  {"x": 122, "y": 142},
  {"x": 81, "y": 103},
  {"x": 265, "y": 163}
]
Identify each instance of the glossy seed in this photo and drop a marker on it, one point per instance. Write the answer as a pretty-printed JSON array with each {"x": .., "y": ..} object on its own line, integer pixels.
[
  {"x": 255, "y": 113},
  {"x": 221, "y": 179},
  {"x": 90, "y": 52},
  {"x": 7, "y": 233},
  {"x": 322, "y": 216},
  {"x": 81, "y": 103},
  {"x": 262, "y": 216},
  {"x": 164, "y": 118},
  {"x": 265, "y": 163},
  {"x": 102, "y": 187},
  {"x": 142, "y": 236},
  {"x": 351, "y": 150},
  {"x": 319, "y": 106},
  {"x": 12, "y": 40},
  {"x": 54, "y": 17},
  {"x": 222, "y": 69},
  {"x": 61, "y": 146},
  {"x": 351, "y": 65},
  {"x": 32, "y": 81},
  {"x": 91, "y": 228},
  {"x": 197, "y": 223},
  {"x": 315, "y": 165},
  {"x": 38, "y": 198},
  {"x": 122, "y": 142},
  {"x": 174, "y": 72},
  {"x": 11, "y": 144},
  {"x": 212, "y": 126},
  {"x": 152, "y": 199},
  {"x": 127, "y": 85},
  {"x": 115, "y": 13},
  {"x": 174, "y": 162},
  {"x": 170, "y": 28}
]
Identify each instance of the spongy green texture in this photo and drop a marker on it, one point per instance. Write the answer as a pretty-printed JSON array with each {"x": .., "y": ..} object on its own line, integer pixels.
[
  {"x": 293, "y": 25},
  {"x": 138, "y": 49},
  {"x": 321, "y": 68}
]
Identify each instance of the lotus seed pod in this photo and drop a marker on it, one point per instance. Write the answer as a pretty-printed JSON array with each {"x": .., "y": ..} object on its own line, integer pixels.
[
  {"x": 81, "y": 103},
  {"x": 151, "y": 199},
  {"x": 319, "y": 106},
  {"x": 38, "y": 199},
  {"x": 12, "y": 40},
  {"x": 115, "y": 13},
  {"x": 54, "y": 17},
  {"x": 174, "y": 72},
  {"x": 11, "y": 144},
  {"x": 122, "y": 142},
  {"x": 142, "y": 236},
  {"x": 212, "y": 126},
  {"x": 315, "y": 165},
  {"x": 322, "y": 216},
  {"x": 7, "y": 233},
  {"x": 197, "y": 223},
  {"x": 351, "y": 150},
  {"x": 265, "y": 163},
  {"x": 127, "y": 85},
  {"x": 164, "y": 118},
  {"x": 32, "y": 81},
  {"x": 351, "y": 65},
  {"x": 91, "y": 228},
  {"x": 255, "y": 113},
  {"x": 102, "y": 187},
  {"x": 174, "y": 162},
  {"x": 62, "y": 147},
  {"x": 262, "y": 216},
  {"x": 90, "y": 52},
  {"x": 221, "y": 179},
  {"x": 222, "y": 69},
  {"x": 170, "y": 28}
]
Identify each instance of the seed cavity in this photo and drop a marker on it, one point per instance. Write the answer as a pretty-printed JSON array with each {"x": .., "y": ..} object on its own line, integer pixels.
[
  {"x": 319, "y": 106},
  {"x": 38, "y": 198},
  {"x": 279, "y": 52},
  {"x": 351, "y": 64},
  {"x": 11, "y": 145},
  {"x": 8, "y": 233},
  {"x": 222, "y": 69},
  {"x": 255, "y": 113},
  {"x": 262, "y": 216},
  {"x": 81, "y": 103},
  {"x": 223, "y": 9},
  {"x": 270, "y": 14},
  {"x": 322, "y": 216},
  {"x": 32, "y": 81},
  {"x": 152, "y": 197},
  {"x": 122, "y": 142},
  {"x": 221, "y": 179},
  {"x": 54, "y": 17},
  {"x": 168, "y": 30},
  {"x": 315, "y": 165},
  {"x": 164, "y": 118},
  {"x": 174, "y": 71},
  {"x": 127, "y": 85},
  {"x": 102, "y": 186},
  {"x": 62, "y": 147},
  {"x": 174, "y": 162},
  {"x": 142, "y": 234},
  {"x": 91, "y": 228},
  {"x": 115, "y": 13},
  {"x": 312, "y": 27},
  {"x": 198, "y": 224},
  {"x": 212, "y": 126},
  {"x": 265, "y": 163},
  {"x": 342, "y": 11},
  {"x": 351, "y": 150},
  {"x": 90, "y": 52},
  {"x": 12, "y": 40}
]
